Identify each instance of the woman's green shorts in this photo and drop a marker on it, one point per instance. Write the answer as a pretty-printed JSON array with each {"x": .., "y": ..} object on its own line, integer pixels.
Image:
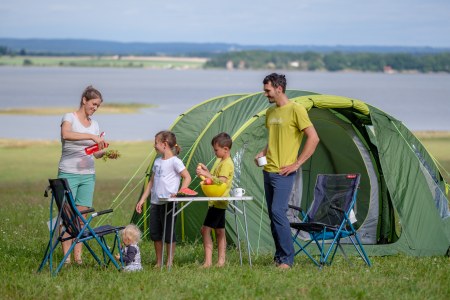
[{"x": 82, "y": 187}]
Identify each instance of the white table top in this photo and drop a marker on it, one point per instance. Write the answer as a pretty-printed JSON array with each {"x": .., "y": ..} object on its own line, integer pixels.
[{"x": 200, "y": 199}]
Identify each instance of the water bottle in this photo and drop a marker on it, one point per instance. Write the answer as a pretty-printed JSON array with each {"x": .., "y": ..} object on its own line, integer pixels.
[{"x": 94, "y": 148}]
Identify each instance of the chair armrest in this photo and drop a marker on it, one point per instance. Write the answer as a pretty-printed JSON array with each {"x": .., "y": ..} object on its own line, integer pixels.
[
  {"x": 106, "y": 211},
  {"x": 296, "y": 208},
  {"x": 89, "y": 210}
]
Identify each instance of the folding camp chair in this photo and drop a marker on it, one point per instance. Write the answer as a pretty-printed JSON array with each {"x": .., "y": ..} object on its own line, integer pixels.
[
  {"x": 327, "y": 221},
  {"x": 72, "y": 225}
]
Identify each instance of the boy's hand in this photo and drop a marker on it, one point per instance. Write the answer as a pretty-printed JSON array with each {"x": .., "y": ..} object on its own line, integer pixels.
[
  {"x": 202, "y": 170},
  {"x": 201, "y": 167},
  {"x": 117, "y": 256}
]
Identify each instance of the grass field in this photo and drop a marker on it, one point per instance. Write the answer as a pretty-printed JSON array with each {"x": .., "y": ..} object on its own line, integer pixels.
[
  {"x": 155, "y": 62},
  {"x": 24, "y": 169}
]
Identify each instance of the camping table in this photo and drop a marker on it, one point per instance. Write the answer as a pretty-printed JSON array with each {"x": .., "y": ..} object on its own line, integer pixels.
[{"x": 189, "y": 200}]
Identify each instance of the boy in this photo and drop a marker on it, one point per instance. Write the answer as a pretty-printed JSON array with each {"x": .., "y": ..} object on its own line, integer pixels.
[{"x": 215, "y": 218}]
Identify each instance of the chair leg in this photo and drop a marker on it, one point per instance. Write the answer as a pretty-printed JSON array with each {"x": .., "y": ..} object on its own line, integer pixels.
[
  {"x": 107, "y": 251},
  {"x": 92, "y": 253},
  {"x": 50, "y": 248},
  {"x": 302, "y": 248},
  {"x": 345, "y": 255},
  {"x": 64, "y": 258},
  {"x": 46, "y": 257},
  {"x": 106, "y": 259},
  {"x": 360, "y": 250}
]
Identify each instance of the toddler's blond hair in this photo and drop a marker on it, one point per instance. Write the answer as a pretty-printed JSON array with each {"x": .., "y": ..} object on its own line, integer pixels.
[{"x": 133, "y": 233}]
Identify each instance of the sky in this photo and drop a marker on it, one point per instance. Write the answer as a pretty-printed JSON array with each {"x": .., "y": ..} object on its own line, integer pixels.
[{"x": 246, "y": 22}]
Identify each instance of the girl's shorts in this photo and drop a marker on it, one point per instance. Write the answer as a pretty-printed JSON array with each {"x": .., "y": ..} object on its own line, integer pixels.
[{"x": 157, "y": 213}]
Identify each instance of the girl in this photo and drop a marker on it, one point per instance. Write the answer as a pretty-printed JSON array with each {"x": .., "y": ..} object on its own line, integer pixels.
[
  {"x": 131, "y": 254},
  {"x": 167, "y": 172}
]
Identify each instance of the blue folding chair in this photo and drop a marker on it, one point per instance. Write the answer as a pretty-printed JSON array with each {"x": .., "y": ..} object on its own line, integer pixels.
[
  {"x": 327, "y": 220},
  {"x": 72, "y": 225}
]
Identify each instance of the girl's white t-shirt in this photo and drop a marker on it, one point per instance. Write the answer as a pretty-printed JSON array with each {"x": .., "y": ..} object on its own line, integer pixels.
[
  {"x": 167, "y": 178},
  {"x": 73, "y": 158}
]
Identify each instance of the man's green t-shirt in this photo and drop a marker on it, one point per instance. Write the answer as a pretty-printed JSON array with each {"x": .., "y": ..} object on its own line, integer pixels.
[
  {"x": 225, "y": 168},
  {"x": 285, "y": 125}
]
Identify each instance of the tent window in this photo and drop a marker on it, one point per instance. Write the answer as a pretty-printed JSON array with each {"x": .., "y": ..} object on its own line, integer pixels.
[{"x": 440, "y": 199}]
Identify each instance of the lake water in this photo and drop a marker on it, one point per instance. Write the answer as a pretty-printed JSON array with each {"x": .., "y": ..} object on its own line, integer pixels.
[{"x": 421, "y": 101}]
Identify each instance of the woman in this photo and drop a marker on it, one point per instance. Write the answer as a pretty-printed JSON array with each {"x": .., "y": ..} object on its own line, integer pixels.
[{"x": 78, "y": 131}]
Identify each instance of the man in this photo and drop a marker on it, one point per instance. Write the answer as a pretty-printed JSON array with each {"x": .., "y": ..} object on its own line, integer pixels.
[{"x": 286, "y": 123}]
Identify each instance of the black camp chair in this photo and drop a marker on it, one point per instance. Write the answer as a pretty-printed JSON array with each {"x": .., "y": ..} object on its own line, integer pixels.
[
  {"x": 327, "y": 220},
  {"x": 76, "y": 228}
]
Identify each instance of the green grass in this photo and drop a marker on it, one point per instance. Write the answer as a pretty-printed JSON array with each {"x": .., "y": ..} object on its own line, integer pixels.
[{"x": 24, "y": 170}]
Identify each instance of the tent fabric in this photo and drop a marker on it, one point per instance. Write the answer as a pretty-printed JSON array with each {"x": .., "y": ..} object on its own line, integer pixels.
[{"x": 401, "y": 208}]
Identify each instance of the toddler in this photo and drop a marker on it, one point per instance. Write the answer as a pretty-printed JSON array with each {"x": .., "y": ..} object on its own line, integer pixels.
[{"x": 131, "y": 255}]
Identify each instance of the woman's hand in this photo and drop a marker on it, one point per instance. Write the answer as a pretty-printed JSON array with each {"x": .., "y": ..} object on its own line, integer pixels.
[{"x": 99, "y": 140}]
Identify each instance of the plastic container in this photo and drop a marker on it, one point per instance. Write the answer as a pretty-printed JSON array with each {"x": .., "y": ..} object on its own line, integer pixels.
[
  {"x": 214, "y": 190},
  {"x": 94, "y": 148}
]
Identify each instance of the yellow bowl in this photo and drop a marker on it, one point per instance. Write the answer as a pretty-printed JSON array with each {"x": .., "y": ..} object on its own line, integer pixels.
[{"x": 214, "y": 190}]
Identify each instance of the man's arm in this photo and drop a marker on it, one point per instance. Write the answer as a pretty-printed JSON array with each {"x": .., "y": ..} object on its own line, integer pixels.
[{"x": 312, "y": 139}]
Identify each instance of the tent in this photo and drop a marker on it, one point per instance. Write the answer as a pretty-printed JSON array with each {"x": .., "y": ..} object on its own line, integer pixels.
[{"x": 402, "y": 204}]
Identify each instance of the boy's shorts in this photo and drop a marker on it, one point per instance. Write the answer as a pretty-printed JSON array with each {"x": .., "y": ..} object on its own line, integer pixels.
[
  {"x": 157, "y": 213},
  {"x": 82, "y": 187},
  {"x": 215, "y": 218}
]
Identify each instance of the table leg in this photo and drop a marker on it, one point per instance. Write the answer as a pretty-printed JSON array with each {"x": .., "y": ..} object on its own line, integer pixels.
[
  {"x": 246, "y": 234},
  {"x": 237, "y": 232},
  {"x": 170, "y": 259},
  {"x": 164, "y": 235}
]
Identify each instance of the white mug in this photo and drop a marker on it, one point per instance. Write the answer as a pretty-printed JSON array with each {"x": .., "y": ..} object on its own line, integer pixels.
[
  {"x": 262, "y": 161},
  {"x": 238, "y": 192}
]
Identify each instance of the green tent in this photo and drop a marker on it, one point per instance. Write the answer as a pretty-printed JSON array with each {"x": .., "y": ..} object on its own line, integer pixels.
[{"x": 402, "y": 204}]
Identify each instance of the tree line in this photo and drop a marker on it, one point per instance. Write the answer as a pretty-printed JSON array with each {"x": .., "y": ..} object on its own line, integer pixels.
[
  {"x": 334, "y": 61},
  {"x": 315, "y": 61}
]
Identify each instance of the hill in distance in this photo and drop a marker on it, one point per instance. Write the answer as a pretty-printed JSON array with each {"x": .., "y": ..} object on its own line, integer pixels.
[{"x": 97, "y": 47}]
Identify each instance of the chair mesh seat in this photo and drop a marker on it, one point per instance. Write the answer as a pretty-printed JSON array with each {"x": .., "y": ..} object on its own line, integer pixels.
[{"x": 103, "y": 230}]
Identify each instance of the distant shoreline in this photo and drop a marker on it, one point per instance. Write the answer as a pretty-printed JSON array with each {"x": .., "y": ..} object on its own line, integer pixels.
[
  {"x": 107, "y": 108},
  {"x": 12, "y": 143},
  {"x": 230, "y": 61},
  {"x": 106, "y": 61}
]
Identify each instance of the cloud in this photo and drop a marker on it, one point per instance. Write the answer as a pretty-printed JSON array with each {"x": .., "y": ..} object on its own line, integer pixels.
[{"x": 320, "y": 22}]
